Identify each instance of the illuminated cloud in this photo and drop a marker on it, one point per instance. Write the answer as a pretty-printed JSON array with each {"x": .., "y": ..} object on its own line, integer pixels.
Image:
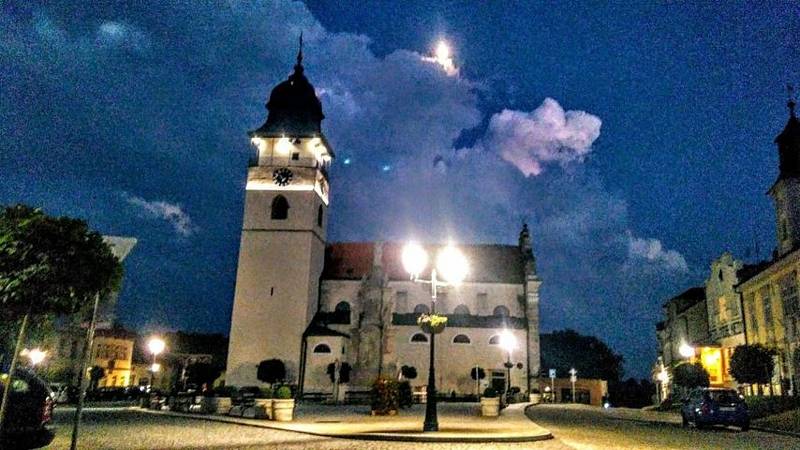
[
  {"x": 171, "y": 212},
  {"x": 652, "y": 251},
  {"x": 118, "y": 34}
]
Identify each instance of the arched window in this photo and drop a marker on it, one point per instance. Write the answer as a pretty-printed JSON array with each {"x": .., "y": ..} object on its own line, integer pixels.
[
  {"x": 322, "y": 348},
  {"x": 419, "y": 338},
  {"x": 319, "y": 216},
  {"x": 461, "y": 339},
  {"x": 342, "y": 306},
  {"x": 421, "y": 309},
  {"x": 494, "y": 340},
  {"x": 280, "y": 208},
  {"x": 501, "y": 311},
  {"x": 461, "y": 309}
]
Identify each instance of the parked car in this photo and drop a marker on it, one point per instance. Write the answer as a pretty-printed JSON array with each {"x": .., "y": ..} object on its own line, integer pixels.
[
  {"x": 30, "y": 412},
  {"x": 715, "y": 406}
]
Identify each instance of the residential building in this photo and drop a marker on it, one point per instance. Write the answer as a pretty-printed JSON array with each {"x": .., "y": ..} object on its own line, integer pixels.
[{"x": 686, "y": 323}]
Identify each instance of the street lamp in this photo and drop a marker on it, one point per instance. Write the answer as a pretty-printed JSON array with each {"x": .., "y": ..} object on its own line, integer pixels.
[
  {"x": 453, "y": 267},
  {"x": 686, "y": 350},
  {"x": 156, "y": 345},
  {"x": 35, "y": 356},
  {"x": 508, "y": 343}
]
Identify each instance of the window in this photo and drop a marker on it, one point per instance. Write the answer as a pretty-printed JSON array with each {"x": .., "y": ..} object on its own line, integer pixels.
[
  {"x": 501, "y": 311},
  {"x": 419, "y": 338},
  {"x": 494, "y": 340},
  {"x": 295, "y": 156},
  {"x": 461, "y": 310},
  {"x": 421, "y": 309},
  {"x": 788, "y": 285},
  {"x": 280, "y": 208},
  {"x": 319, "y": 216},
  {"x": 461, "y": 339},
  {"x": 342, "y": 306},
  {"x": 322, "y": 348}
]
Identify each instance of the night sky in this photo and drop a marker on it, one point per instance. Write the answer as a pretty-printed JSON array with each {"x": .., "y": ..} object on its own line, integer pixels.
[{"x": 635, "y": 139}]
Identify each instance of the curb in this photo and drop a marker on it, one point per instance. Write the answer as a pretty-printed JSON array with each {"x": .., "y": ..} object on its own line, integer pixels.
[{"x": 367, "y": 436}]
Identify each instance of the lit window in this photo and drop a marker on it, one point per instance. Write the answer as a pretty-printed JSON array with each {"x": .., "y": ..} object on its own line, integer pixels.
[{"x": 322, "y": 348}]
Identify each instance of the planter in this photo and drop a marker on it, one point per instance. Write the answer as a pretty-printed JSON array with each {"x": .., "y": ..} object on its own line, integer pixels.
[
  {"x": 263, "y": 408},
  {"x": 427, "y": 328},
  {"x": 432, "y": 324},
  {"x": 391, "y": 412},
  {"x": 282, "y": 409},
  {"x": 217, "y": 405},
  {"x": 490, "y": 406},
  {"x": 535, "y": 398}
]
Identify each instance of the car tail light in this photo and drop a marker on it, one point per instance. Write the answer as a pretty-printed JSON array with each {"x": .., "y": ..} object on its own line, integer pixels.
[{"x": 47, "y": 410}]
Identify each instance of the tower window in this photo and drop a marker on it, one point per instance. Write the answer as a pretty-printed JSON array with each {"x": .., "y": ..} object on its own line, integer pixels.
[
  {"x": 280, "y": 208},
  {"x": 320, "y": 212}
]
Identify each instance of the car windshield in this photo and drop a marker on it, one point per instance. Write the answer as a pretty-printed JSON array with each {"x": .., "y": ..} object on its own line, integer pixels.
[{"x": 727, "y": 396}]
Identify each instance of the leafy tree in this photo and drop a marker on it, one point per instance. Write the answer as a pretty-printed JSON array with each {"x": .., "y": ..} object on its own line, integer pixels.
[
  {"x": 49, "y": 265},
  {"x": 96, "y": 373},
  {"x": 408, "y": 372},
  {"x": 477, "y": 373},
  {"x": 563, "y": 350},
  {"x": 690, "y": 375},
  {"x": 271, "y": 371},
  {"x": 344, "y": 372},
  {"x": 201, "y": 373},
  {"x": 752, "y": 364}
]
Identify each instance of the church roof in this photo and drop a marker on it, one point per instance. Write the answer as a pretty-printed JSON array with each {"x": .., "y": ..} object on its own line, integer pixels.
[
  {"x": 488, "y": 263},
  {"x": 293, "y": 107}
]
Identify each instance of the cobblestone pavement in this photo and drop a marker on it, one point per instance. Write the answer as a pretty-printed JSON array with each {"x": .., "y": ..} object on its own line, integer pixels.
[{"x": 587, "y": 428}]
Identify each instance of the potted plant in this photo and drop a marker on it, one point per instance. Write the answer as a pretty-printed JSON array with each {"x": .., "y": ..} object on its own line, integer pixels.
[
  {"x": 263, "y": 404},
  {"x": 283, "y": 405},
  {"x": 385, "y": 396},
  {"x": 432, "y": 323},
  {"x": 490, "y": 403},
  {"x": 221, "y": 402},
  {"x": 536, "y": 396}
]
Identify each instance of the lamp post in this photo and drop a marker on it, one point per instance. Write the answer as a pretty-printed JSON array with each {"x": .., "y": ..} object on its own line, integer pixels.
[
  {"x": 453, "y": 267},
  {"x": 508, "y": 343},
  {"x": 156, "y": 345}
]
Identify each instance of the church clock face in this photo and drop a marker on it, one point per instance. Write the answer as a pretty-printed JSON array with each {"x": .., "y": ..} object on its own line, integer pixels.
[{"x": 282, "y": 176}]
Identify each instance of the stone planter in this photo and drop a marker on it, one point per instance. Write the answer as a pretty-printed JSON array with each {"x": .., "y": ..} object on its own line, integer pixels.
[
  {"x": 218, "y": 405},
  {"x": 282, "y": 409},
  {"x": 535, "y": 398},
  {"x": 490, "y": 406},
  {"x": 263, "y": 408}
]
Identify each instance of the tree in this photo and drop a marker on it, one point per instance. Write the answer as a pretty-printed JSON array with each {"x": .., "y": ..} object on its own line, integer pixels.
[
  {"x": 688, "y": 376},
  {"x": 271, "y": 371},
  {"x": 96, "y": 373},
  {"x": 591, "y": 357},
  {"x": 49, "y": 265},
  {"x": 752, "y": 364},
  {"x": 477, "y": 373},
  {"x": 201, "y": 373},
  {"x": 344, "y": 372}
]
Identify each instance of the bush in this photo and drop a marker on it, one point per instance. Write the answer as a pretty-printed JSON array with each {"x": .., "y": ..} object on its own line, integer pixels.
[
  {"x": 490, "y": 392},
  {"x": 385, "y": 396},
  {"x": 265, "y": 392},
  {"x": 406, "y": 397},
  {"x": 226, "y": 391},
  {"x": 283, "y": 393},
  {"x": 767, "y": 406},
  {"x": 752, "y": 364}
]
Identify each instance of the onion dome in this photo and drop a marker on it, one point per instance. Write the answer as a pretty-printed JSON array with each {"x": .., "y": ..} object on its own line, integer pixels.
[{"x": 293, "y": 107}]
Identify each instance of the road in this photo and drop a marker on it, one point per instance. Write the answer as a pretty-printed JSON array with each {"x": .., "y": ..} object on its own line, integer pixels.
[{"x": 573, "y": 428}]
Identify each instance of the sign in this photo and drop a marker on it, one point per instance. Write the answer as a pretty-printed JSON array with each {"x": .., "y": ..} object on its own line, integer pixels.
[
  {"x": 573, "y": 378},
  {"x": 552, "y": 373}
]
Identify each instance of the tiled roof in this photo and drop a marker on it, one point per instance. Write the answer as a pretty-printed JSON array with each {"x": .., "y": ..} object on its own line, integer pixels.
[{"x": 487, "y": 263}]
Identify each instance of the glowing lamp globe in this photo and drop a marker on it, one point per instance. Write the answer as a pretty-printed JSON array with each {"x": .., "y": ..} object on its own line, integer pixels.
[
  {"x": 156, "y": 345},
  {"x": 35, "y": 356},
  {"x": 414, "y": 258},
  {"x": 686, "y": 350},
  {"x": 507, "y": 340},
  {"x": 155, "y": 367},
  {"x": 452, "y": 264},
  {"x": 442, "y": 51}
]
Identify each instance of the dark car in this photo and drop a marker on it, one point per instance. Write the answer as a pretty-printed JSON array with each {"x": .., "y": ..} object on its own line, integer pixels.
[
  {"x": 710, "y": 406},
  {"x": 30, "y": 412}
]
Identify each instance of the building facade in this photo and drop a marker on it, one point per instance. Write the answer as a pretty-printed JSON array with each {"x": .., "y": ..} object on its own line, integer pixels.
[
  {"x": 311, "y": 303},
  {"x": 685, "y": 323}
]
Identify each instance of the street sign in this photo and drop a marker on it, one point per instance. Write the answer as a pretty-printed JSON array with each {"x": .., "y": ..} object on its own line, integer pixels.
[
  {"x": 573, "y": 378},
  {"x": 552, "y": 373}
]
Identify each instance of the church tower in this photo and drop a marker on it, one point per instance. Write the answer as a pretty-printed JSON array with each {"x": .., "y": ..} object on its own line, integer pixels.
[
  {"x": 786, "y": 190},
  {"x": 282, "y": 247}
]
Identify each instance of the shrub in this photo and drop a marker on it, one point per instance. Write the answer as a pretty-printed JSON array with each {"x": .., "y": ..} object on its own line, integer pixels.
[
  {"x": 265, "y": 392},
  {"x": 752, "y": 364},
  {"x": 385, "y": 396},
  {"x": 406, "y": 398},
  {"x": 767, "y": 406},
  {"x": 490, "y": 392},
  {"x": 283, "y": 393}
]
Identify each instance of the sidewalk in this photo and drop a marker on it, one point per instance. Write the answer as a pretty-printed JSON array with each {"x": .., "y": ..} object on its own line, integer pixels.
[{"x": 458, "y": 422}]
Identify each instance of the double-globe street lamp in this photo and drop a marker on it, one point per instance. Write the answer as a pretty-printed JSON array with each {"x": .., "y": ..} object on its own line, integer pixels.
[
  {"x": 156, "y": 345},
  {"x": 452, "y": 266}
]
